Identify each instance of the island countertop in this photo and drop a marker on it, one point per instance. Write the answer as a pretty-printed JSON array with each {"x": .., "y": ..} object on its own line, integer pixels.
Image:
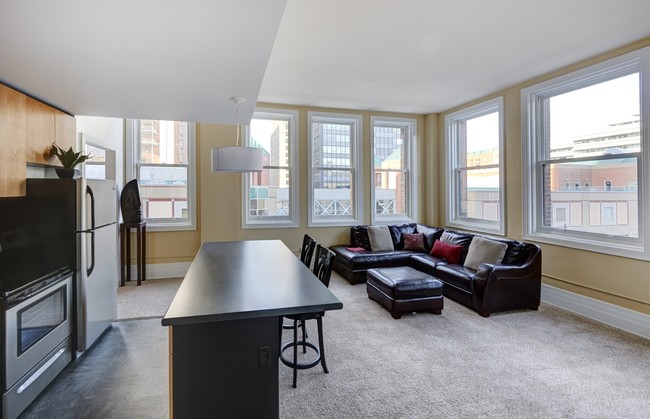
[{"x": 246, "y": 280}]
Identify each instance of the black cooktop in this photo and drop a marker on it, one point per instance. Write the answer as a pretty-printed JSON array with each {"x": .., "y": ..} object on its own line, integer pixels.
[{"x": 15, "y": 279}]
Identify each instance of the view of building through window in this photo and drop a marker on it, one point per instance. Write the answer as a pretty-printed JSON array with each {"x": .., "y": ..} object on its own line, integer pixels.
[
  {"x": 590, "y": 168},
  {"x": 269, "y": 189},
  {"x": 332, "y": 165},
  {"x": 390, "y": 154},
  {"x": 162, "y": 169},
  {"x": 478, "y": 172}
]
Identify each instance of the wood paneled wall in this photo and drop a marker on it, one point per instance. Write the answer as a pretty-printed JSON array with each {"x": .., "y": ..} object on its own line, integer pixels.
[{"x": 27, "y": 129}]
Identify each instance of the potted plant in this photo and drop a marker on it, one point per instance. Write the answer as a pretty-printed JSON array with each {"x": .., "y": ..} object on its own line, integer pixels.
[{"x": 68, "y": 159}]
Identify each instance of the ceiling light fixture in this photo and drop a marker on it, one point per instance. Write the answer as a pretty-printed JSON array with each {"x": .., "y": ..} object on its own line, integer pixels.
[{"x": 238, "y": 158}]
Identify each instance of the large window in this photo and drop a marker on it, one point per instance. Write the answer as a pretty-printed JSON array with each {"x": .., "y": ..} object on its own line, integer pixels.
[
  {"x": 335, "y": 193},
  {"x": 271, "y": 196},
  {"x": 586, "y": 156},
  {"x": 475, "y": 198},
  {"x": 393, "y": 169},
  {"x": 161, "y": 157}
]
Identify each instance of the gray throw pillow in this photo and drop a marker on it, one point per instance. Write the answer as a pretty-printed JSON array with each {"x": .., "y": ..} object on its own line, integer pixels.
[
  {"x": 380, "y": 238},
  {"x": 482, "y": 250}
]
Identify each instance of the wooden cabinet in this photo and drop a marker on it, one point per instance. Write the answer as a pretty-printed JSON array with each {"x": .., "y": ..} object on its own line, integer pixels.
[
  {"x": 27, "y": 130},
  {"x": 40, "y": 131},
  {"x": 13, "y": 136}
]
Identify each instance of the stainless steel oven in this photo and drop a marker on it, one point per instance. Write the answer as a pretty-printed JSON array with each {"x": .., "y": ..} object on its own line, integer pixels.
[{"x": 38, "y": 329}]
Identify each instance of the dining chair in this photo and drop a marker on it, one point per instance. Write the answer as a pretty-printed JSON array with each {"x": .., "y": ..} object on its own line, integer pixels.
[{"x": 323, "y": 271}]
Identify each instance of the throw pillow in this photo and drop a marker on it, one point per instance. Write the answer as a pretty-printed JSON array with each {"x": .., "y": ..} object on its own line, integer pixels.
[
  {"x": 482, "y": 250},
  {"x": 450, "y": 252},
  {"x": 380, "y": 238},
  {"x": 414, "y": 242}
]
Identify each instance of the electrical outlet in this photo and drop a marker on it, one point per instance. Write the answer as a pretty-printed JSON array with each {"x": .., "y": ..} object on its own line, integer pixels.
[{"x": 263, "y": 356}]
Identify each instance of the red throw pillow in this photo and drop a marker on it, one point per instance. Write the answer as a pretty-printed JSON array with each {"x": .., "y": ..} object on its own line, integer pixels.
[
  {"x": 451, "y": 252},
  {"x": 414, "y": 242}
]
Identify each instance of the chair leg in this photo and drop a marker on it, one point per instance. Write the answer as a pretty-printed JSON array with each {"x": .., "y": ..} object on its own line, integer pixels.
[
  {"x": 304, "y": 338},
  {"x": 321, "y": 346},
  {"x": 295, "y": 351}
]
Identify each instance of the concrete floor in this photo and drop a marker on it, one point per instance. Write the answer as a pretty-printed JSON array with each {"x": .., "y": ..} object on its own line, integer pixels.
[{"x": 125, "y": 375}]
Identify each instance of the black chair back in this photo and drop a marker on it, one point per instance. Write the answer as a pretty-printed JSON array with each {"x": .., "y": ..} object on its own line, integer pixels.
[
  {"x": 323, "y": 264},
  {"x": 307, "y": 250}
]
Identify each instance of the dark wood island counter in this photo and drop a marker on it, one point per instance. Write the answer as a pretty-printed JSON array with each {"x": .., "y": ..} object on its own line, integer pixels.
[{"x": 225, "y": 327}]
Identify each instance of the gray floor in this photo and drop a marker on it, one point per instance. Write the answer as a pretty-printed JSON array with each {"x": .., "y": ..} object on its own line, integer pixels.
[{"x": 123, "y": 376}]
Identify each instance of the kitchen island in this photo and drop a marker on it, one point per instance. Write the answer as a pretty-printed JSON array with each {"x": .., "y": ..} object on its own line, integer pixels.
[{"x": 225, "y": 324}]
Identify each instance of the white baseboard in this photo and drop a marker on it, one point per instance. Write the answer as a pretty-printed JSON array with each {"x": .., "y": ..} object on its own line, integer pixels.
[
  {"x": 610, "y": 314},
  {"x": 163, "y": 270}
]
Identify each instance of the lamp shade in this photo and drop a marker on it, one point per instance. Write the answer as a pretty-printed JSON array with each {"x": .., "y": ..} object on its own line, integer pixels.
[{"x": 236, "y": 159}]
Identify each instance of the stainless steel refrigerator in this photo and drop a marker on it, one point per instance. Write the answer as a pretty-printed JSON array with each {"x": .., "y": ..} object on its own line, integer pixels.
[{"x": 92, "y": 222}]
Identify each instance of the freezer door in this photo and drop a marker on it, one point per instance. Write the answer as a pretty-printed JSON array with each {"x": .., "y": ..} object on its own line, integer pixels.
[
  {"x": 98, "y": 289},
  {"x": 100, "y": 202}
]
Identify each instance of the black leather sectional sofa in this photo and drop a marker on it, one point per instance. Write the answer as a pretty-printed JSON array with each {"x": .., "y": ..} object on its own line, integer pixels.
[{"x": 512, "y": 284}]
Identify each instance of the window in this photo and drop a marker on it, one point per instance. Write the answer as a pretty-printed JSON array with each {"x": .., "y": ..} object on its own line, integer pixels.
[
  {"x": 335, "y": 193},
  {"x": 271, "y": 196},
  {"x": 160, "y": 154},
  {"x": 475, "y": 197},
  {"x": 589, "y": 125},
  {"x": 393, "y": 195}
]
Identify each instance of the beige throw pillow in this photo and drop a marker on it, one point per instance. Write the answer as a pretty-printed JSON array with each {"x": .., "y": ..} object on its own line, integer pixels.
[
  {"x": 380, "y": 238},
  {"x": 482, "y": 250}
]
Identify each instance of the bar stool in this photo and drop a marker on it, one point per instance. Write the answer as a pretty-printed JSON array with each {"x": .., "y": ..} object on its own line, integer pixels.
[
  {"x": 323, "y": 271},
  {"x": 125, "y": 250}
]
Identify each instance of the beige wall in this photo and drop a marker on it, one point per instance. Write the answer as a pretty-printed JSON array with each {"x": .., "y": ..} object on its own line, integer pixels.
[
  {"x": 617, "y": 280},
  {"x": 220, "y": 192}
]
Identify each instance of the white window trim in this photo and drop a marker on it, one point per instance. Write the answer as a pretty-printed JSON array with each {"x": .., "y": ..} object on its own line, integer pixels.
[
  {"x": 357, "y": 161},
  {"x": 452, "y": 219},
  {"x": 411, "y": 169},
  {"x": 131, "y": 158},
  {"x": 531, "y": 97},
  {"x": 294, "y": 200}
]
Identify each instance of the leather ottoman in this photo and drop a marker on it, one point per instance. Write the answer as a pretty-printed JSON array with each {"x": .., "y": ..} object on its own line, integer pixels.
[{"x": 404, "y": 290}]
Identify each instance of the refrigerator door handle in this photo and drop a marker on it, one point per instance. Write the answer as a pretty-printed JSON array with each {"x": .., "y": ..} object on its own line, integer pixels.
[
  {"x": 89, "y": 192},
  {"x": 91, "y": 265}
]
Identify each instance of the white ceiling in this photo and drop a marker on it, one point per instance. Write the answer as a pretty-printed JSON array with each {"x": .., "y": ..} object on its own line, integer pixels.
[
  {"x": 169, "y": 59},
  {"x": 160, "y": 59}
]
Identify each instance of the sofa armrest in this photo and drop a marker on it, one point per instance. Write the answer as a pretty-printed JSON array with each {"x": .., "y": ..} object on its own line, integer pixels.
[{"x": 499, "y": 287}]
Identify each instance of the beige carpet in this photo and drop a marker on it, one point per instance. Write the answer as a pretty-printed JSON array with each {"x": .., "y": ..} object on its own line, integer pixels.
[
  {"x": 523, "y": 364},
  {"x": 151, "y": 299}
]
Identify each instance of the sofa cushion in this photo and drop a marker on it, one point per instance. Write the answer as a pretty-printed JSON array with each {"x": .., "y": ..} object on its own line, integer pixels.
[
  {"x": 456, "y": 275},
  {"x": 447, "y": 251},
  {"x": 359, "y": 236},
  {"x": 380, "y": 239},
  {"x": 431, "y": 234},
  {"x": 425, "y": 263},
  {"x": 482, "y": 250},
  {"x": 396, "y": 232},
  {"x": 414, "y": 242},
  {"x": 355, "y": 261}
]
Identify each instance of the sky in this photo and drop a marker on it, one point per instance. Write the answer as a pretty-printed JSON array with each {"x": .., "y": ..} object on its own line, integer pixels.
[{"x": 593, "y": 108}]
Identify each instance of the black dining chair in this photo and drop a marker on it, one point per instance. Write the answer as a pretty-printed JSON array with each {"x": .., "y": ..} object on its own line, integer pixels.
[
  {"x": 307, "y": 250},
  {"x": 323, "y": 271}
]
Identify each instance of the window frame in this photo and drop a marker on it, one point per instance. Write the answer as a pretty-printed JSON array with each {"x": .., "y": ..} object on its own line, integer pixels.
[
  {"x": 533, "y": 157},
  {"x": 410, "y": 171},
  {"x": 453, "y": 219},
  {"x": 293, "y": 220},
  {"x": 132, "y": 153},
  {"x": 356, "y": 160}
]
